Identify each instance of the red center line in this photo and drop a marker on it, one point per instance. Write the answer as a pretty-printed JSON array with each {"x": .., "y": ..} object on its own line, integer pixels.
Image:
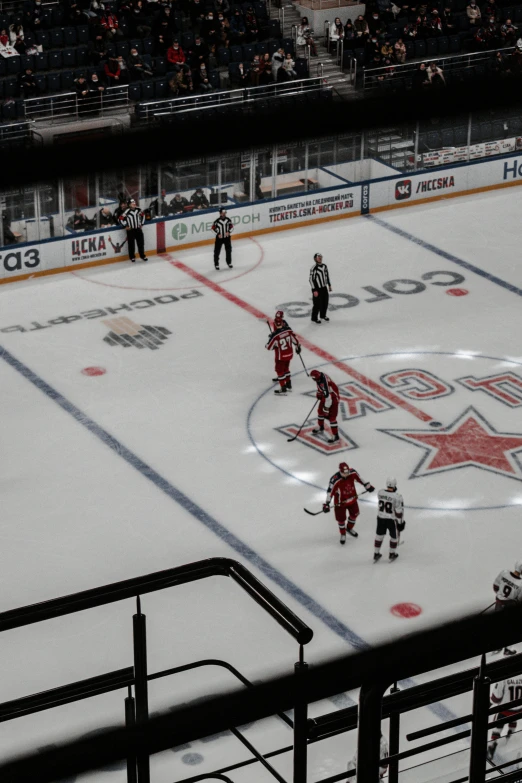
[{"x": 328, "y": 357}]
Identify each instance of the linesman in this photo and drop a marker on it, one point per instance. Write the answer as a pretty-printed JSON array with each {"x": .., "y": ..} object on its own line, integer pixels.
[
  {"x": 222, "y": 228},
  {"x": 132, "y": 219},
  {"x": 320, "y": 285}
]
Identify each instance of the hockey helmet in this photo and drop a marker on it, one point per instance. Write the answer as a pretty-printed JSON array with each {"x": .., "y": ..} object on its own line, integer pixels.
[
  {"x": 317, "y": 255},
  {"x": 391, "y": 483},
  {"x": 315, "y": 374},
  {"x": 343, "y": 467},
  {"x": 518, "y": 567},
  {"x": 279, "y": 317}
]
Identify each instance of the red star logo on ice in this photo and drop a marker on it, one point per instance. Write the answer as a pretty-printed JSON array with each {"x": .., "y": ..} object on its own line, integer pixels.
[{"x": 470, "y": 441}]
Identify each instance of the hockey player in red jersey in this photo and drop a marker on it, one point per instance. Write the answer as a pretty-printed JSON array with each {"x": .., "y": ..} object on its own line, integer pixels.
[
  {"x": 281, "y": 341},
  {"x": 341, "y": 489},
  {"x": 328, "y": 396}
]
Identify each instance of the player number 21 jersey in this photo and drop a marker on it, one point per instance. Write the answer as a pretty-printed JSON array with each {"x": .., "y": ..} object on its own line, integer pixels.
[{"x": 391, "y": 505}]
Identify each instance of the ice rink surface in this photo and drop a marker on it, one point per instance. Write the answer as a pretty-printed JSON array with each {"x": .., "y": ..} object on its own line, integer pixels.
[{"x": 175, "y": 450}]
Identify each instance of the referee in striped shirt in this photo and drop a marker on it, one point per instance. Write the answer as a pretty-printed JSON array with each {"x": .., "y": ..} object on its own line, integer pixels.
[
  {"x": 320, "y": 284},
  {"x": 222, "y": 228},
  {"x": 132, "y": 218}
]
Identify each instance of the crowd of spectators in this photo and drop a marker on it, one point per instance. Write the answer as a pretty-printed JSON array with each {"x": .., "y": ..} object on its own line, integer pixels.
[{"x": 184, "y": 42}]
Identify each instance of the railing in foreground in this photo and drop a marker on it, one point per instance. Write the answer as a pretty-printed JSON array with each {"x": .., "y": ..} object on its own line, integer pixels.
[
  {"x": 149, "y": 110},
  {"x": 68, "y": 106},
  {"x": 136, "y": 707},
  {"x": 374, "y": 671},
  {"x": 447, "y": 63}
]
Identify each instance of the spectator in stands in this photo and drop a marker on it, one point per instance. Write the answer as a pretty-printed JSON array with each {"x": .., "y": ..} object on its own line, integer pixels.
[
  {"x": 198, "y": 53},
  {"x": 375, "y": 24},
  {"x": 106, "y": 218},
  {"x": 27, "y": 84},
  {"x": 288, "y": 67},
  {"x": 420, "y": 80},
  {"x": 360, "y": 26},
  {"x": 197, "y": 15},
  {"x": 15, "y": 31},
  {"x": 110, "y": 25},
  {"x": 20, "y": 45},
  {"x": 79, "y": 221},
  {"x": 508, "y": 33},
  {"x": 265, "y": 69},
  {"x": 4, "y": 37},
  {"x": 166, "y": 16},
  {"x": 97, "y": 50},
  {"x": 212, "y": 62},
  {"x": 96, "y": 88},
  {"x": 349, "y": 33},
  {"x": 223, "y": 30},
  {"x": 181, "y": 83},
  {"x": 473, "y": 12},
  {"x": 162, "y": 39},
  {"x": 240, "y": 77},
  {"x": 448, "y": 21},
  {"x": 305, "y": 35},
  {"x": 120, "y": 209},
  {"x": 201, "y": 79},
  {"x": 500, "y": 66},
  {"x": 411, "y": 30},
  {"x": 237, "y": 28},
  {"x": 251, "y": 24},
  {"x": 139, "y": 21},
  {"x": 336, "y": 31},
  {"x": 112, "y": 71},
  {"x": 178, "y": 204},
  {"x": 387, "y": 51},
  {"x": 209, "y": 29},
  {"x": 137, "y": 67},
  {"x": 124, "y": 71},
  {"x": 222, "y": 7},
  {"x": 492, "y": 9},
  {"x": 277, "y": 62},
  {"x": 436, "y": 76},
  {"x": 493, "y": 37},
  {"x": 9, "y": 237},
  {"x": 400, "y": 51},
  {"x": 255, "y": 71},
  {"x": 176, "y": 56},
  {"x": 435, "y": 24},
  {"x": 199, "y": 199},
  {"x": 372, "y": 49}
]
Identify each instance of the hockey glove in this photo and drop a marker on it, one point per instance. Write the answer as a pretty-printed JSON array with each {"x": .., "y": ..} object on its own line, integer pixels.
[
  {"x": 298, "y": 350},
  {"x": 326, "y": 508},
  {"x": 369, "y": 487},
  {"x": 401, "y": 525}
]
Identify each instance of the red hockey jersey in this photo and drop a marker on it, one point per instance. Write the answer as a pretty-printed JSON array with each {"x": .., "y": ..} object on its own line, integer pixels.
[
  {"x": 281, "y": 341},
  {"x": 341, "y": 489}
]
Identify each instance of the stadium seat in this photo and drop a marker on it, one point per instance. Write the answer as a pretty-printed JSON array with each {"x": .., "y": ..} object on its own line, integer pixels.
[
  {"x": 44, "y": 39},
  {"x": 122, "y": 48},
  {"x": 10, "y": 86},
  {"x": 223, "y": 56},
  {"x": 9, "y": 111},
  {"x": 410, "y": 50},
  {"x": 187, "y": 40},
  {"x": 1, "y": 89},
  {"x": 249, "y": 50},
  {"x": 3, "y": 65},
  {"x": 476, "y": 135},
  {"x": 135, "y": 91},
  {"x": 214, "y": 79},
  {"x": 56, "y": 37},
  {"x": 454, "y": 43},
  {"x": 274, "y": 28},
  {"x": 420, "y": 48},
  {"x": 443, "y": 44},
  {"x": 160, "y": 66},
  {"x": 236, "y": 54},
  {"x": 507, "y": 13},
  {"x": 69, "y": 36},
  {"x": 13, "y": 65},
  {"x": 360, "y": 56},
  {"x": 69, "y": 58},
  {"x": 29, "y": 38},
  {"x": 273, "y": 46},
  {"x": 82, "y": 55},
  {"x": 27, "y": 61},
  {"x": 58, "y": 15},
  {"x": 54, "y": 82},
  {"x": 41, "y": 61},
  {"x": 517, "y": 16},
  {"x": 148, "y": 45},
  {"x": 288, "y": 45},
  {"x": 55, "y": 60},
  {"x": 67, "y": 81},
  {"x": 431, "y": 47},
  {"x": 147, "y": 90},
  {"x": 41, "y": 81},
  {"x": 301, "y": 67},
  {"x": 161, "y": 88},
  {"x": 261, "y": 11},
  {"x": 261, "y": 48},
  {"x": 82, "y": 34}
]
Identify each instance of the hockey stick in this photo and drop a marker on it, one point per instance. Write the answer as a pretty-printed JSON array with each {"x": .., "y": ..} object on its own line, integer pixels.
[
  {"x": 487, "y": 607},
  {"x": 289, "y": 440},
  {"x": 304, "y": 366},
  {"x": 315, "y": 513}
]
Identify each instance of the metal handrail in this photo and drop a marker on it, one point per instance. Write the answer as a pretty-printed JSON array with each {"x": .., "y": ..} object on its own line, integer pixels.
[
  {"x": 68, "y": 105},
  {"x": 447, "y": 62}
]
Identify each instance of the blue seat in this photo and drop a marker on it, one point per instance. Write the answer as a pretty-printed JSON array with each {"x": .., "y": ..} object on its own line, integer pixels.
[
  {"x": 122, "y": 48},
  {"x": 9, "y": 111},
  {"x": 147, "y": 90},
  {"x": 443, "y": 44},
  {"x": 10, "y": 86},
  {"x": 261, "y": 48},
  {"x": 223, "y": 55},
  {"x": 236, "y": 54},
  {"x": 135, "y": 91},
  {"x": 160, "y": 88},
  {"x": 160, "y": 66},
  {"x": 301, "y": 67},
  {"x": 420, "y": 48},
  {"x": 148, "y": 45},
  {"x": 69, "y": 36},
  {"x": 249, "y": 50},
  {"x": 67, "y": 81},
  {"x": 82, "y": 34},
  {"x": 54, "y": 82},
  {"x": 27, "y": 61},
  {"x": 288, "y": 45},
  {"x": 41, "y": 61},
  {"x": 58, "y": 15},
  {"x": 43, "y": 38},
  {"x": 41, "y": 81},
  {"x": 69, "y": 58},
  {"x": 273, "y": 46},
  {"x": 29, "y": 37},
  {"x": 213, "y": 78},
  {"x": 454, "y": 42},
  {"x": 431, "y": 47},
  {"x": 13, "y": 65},
  {"x": 274, "y": 28},
  {"x": 136, "y": 43},
  {"x": 82, "y": 55},
  {"x": 3, "y": 64},
  {"x": 56, "y": 37},
  {"x": 1, "y": 89},
  {"x": 517, "y": 16},
  {"x": 187, "y": 40},
  {"x": 55, "y": 60}
]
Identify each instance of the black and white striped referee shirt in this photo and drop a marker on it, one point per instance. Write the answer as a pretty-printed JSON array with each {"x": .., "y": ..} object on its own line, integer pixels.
[
  {"x": 319, "y": 277},
  {"x": 222, "y": 226},
  {"x": 133, "y": 217}
]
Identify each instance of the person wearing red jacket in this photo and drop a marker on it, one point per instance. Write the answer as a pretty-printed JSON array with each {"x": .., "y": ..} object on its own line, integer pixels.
[
  {"x": 281, "y": 341},
  {"x": 328, "y": 396},
  {"x": 341, "y": 489},
  {"x": 176, "y": 56}
]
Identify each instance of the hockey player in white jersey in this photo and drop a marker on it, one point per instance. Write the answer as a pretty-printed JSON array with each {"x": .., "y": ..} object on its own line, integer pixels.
[
  {"x": 383, "y": 754},
  {"x": 390, "y": 518},
  {"x": 504, "y": 692},
  {"x": 508, "y": 590}
]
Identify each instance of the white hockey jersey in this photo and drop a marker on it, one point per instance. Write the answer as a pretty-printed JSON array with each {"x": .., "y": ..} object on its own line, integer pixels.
[
  {"x": 391, "y": 505},
  {"x": 507, "y": 587},
  {"x": 384, "y": 752},
  {"x": 506, "y": 691}
]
